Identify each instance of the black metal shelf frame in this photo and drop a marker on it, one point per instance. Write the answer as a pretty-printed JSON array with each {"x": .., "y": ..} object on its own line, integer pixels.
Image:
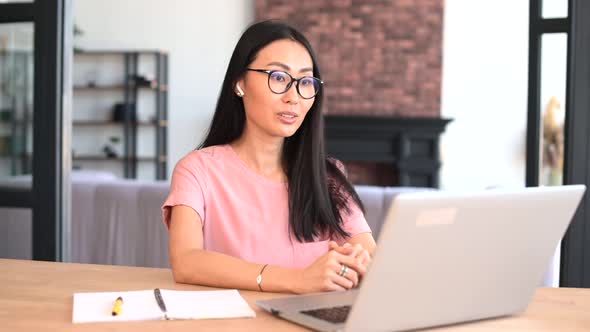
[{"x": 130, "y": 91}]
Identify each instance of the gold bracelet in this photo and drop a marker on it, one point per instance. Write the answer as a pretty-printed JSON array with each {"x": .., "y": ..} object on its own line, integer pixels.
[{"x": 259, "y": 278}]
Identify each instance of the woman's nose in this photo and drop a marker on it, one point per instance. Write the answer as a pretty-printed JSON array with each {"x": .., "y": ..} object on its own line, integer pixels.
[{"x": 291, "y": 95}]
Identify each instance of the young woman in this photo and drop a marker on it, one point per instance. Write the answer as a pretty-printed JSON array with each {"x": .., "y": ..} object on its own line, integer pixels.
[{"x": 259, "y": 206}]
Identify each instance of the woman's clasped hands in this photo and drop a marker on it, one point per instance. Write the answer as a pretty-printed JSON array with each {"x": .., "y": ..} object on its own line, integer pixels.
[{"x": 341, "y": 268}]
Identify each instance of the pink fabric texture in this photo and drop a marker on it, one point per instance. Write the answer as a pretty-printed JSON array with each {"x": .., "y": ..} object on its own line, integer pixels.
[{"x": 244, "y": 214}]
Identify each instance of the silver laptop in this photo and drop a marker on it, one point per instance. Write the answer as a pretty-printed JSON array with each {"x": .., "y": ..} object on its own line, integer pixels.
[{"x": 445, "y": 258}]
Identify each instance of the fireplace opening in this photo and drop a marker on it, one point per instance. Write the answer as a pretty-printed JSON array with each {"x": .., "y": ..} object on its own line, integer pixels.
[
  {"x": 372, "y": 173},
  {"x": 384, "y": 151}
]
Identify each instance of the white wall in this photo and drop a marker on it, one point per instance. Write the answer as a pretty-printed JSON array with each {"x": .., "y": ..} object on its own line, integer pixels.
[
  {"x": 484, "y": 89},
  {"x": 199, "y": 37}
]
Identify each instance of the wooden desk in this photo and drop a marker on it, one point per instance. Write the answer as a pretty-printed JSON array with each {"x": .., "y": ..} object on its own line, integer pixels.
[{"x": 38, "y": 296}]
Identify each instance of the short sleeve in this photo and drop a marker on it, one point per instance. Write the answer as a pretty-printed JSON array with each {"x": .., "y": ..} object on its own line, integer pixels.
[
  {"x": 354, "y": 222},
  {"x": 187, "y": 187}
]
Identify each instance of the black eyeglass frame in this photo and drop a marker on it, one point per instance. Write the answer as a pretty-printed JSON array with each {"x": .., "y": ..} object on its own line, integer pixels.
[{"x": 296, "y": 80}]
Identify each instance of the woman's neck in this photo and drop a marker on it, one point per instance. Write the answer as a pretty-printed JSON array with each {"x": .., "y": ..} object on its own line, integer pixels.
[{"x": 261, "y": 154}]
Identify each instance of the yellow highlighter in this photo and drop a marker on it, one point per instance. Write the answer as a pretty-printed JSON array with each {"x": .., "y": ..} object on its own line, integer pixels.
[{"x": 118, "y": 306}]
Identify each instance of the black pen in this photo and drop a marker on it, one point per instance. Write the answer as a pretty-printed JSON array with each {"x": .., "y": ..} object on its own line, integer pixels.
[{"x": 161, "y": 303}]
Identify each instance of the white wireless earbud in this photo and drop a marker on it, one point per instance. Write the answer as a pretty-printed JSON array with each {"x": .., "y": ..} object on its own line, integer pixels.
[{"x": 240, "y": 91}]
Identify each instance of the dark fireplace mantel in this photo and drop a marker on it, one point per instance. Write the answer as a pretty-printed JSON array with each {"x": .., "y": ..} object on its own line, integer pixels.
[{"x": 410, "y": 145}]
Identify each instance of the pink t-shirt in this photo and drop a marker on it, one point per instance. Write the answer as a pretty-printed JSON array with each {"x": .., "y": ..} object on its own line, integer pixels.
[{"x": 244, "y": 214}]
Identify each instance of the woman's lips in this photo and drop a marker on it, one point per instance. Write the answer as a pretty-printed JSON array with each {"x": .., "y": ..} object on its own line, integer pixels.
[{"x": 287, "y": 117}]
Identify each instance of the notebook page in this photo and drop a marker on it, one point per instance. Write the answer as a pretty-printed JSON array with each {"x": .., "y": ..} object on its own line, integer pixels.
[
  {"x": 97, "y": 307},
  {"x": 206, "y": 304}
]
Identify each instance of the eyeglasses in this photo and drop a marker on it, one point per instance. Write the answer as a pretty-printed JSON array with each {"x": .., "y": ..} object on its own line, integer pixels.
[{"x": 280, "y": 82}]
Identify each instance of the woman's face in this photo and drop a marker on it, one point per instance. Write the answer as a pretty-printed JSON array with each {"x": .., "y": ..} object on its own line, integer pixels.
[{"x": 276, "y": 115}]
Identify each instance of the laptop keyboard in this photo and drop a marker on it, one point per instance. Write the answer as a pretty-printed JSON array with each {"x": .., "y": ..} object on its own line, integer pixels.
[{"x": 333, "y": 315}]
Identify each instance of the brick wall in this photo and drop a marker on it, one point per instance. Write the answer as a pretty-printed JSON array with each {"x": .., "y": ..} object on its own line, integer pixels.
[{"x": 377, "y": 57}]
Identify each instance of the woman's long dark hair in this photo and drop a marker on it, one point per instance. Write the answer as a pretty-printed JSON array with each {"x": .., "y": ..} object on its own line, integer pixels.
[{"x": 319, "y": 192}]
